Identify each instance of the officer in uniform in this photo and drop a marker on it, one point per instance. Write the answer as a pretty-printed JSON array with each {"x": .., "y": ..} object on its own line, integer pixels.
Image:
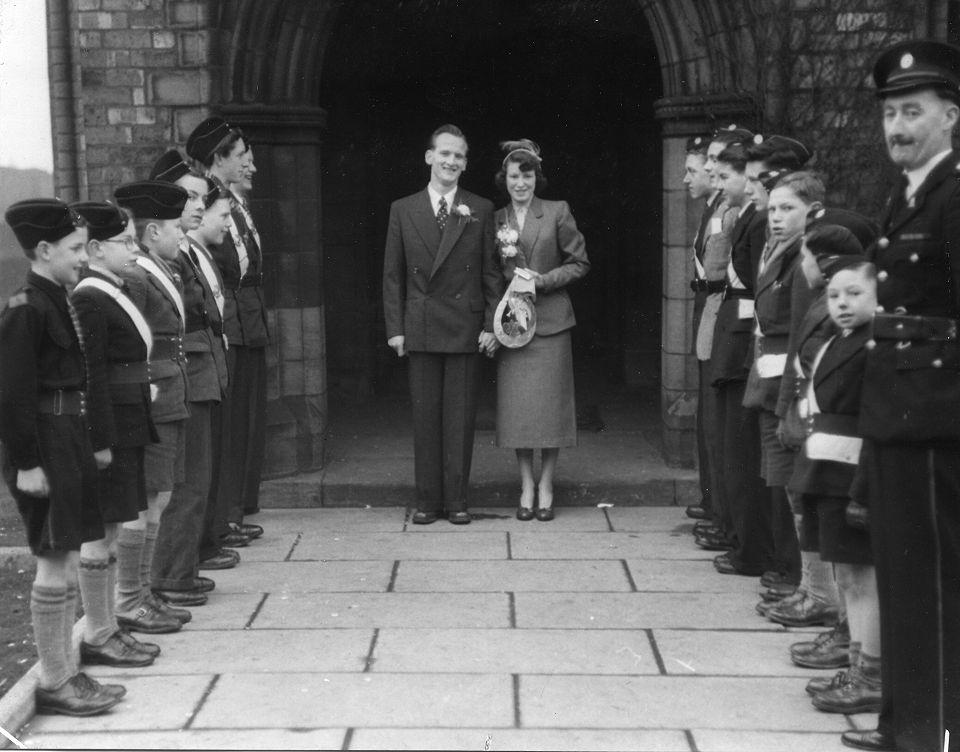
[
  {"x": 910, "y": 410},
  {"x": 219, "y": 148},
  {"x": 48, "y": 461}
]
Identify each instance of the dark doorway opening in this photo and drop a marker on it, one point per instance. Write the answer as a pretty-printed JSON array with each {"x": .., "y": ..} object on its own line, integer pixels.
[{"x": 577, "y": 76}]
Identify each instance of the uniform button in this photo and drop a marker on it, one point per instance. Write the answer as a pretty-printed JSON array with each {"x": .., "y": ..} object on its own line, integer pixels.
[
  {"x": 870, "y": 344},
  {"x": 883, "y": 243},
  {"x": 880, "y": 309},
  {"x": 900, "y": 310},
  {"x": 938, "y": 363},
  {"x": 882, "y": 276},
  {"x": 416, "y": 270},
  {"x": 468, "y": 267},
  {"x": 899, "y": 327},
  {"x": 914, "y": 258}
]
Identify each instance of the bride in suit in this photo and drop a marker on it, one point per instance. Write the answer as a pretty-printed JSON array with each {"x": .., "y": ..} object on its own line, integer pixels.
[{"x": 535, "y": 395}]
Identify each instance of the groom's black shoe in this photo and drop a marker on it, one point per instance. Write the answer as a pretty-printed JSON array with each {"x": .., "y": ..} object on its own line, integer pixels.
[
  {"x": 459, "y": 518},
  {"x": 424, "y": 518}
]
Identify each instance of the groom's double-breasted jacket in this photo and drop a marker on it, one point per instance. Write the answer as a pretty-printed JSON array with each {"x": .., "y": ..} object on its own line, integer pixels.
[{"x": 440, "y": 289}]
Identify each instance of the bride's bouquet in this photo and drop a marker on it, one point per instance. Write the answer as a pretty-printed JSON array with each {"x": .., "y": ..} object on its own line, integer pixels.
[{"x": 515, "y": 320}]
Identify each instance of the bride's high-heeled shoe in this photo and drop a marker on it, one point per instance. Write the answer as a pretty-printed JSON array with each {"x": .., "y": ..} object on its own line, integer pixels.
[
  {"x": 545, "y": 514},
  {"x": 524, "y": 513}
]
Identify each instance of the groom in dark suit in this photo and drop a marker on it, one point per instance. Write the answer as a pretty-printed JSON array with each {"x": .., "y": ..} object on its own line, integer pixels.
[{"x": 441, "y": 285}]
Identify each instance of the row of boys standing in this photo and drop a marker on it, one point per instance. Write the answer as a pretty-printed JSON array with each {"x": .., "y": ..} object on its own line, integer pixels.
[
  {"x": 830, "y": 402},
  {"x": 132, "y": 406}
]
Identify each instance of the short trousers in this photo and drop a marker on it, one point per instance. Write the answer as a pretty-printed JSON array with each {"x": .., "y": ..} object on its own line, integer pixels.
[
  {"x": 163, "y": 461},
  {"x": 825, "y": 529}
]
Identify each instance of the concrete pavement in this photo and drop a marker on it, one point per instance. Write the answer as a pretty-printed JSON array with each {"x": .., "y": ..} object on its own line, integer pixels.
[{"x": 352, "y": 629}]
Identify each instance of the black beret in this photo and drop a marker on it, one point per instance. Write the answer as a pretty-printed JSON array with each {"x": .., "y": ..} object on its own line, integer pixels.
[
  {"x": 733, "y": 134},
  {"x": 830, "y": 265},
  {"x": 770, "y": 178},
  {"x": 104, "y": 220},
  {"x": 832, "y": 240},
  {"x": 206, "y": 137},
  {"x": 152, "y": 199},
  {"x": 919, "y": 64},
  {"x": 785, "y": 143},
  {"x": 698, "y": 144},
  {"x": 864, "y": 229},
  {"x": 215, "y": 190},
  {"x": 39, "y": 219},
  {"x": 170, "y": 167}
]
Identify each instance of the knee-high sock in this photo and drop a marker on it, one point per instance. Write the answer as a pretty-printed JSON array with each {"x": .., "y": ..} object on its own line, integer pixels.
[
  {"x": 816, "y": 575},
  {"x": 94, "y": 586},
  {"x": 146, "y": 561},
  {"x": 112, "y": 591},
  {"x": 69, "y": 620},
  {"x": 47, "y": 605},
  {"x": 129, "y": 555},
  {"x": 859, "y": 583}
]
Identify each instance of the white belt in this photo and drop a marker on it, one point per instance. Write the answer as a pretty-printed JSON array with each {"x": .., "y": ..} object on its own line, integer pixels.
[
  {"x": 771, "y": 366},
  {"x": 833, "y": 447}
]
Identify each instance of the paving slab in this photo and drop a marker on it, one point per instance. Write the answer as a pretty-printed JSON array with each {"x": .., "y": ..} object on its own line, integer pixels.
[
  {"x": 584, "y": 519},
  {"x": 619, "y": 740},
  {"x": 517, "y": 576},
  {"x": 152, "y": 703},
  {"x": 372, "y": 545},
  {"x": 222, "y": 611},
  {"x": 305, "y": 577},
  {"x": 514, "y": 651},
  {"x": 670, "y": 702},
  {"x": 686, "y": 652},
  {"x": 541, "y": 544},
  {"x": 370, "y": 519},
  {"x": 255, "y": 651},
  {"x": 636, "y": 611},
  {"x": 649, "y": 519},
  {"x": 714, "y": 740},
  {"x": 272, "y": 546},
  {"x": 358, "y": 610},
  {"x": 359, "y": 700},
  {"x": 227, "y": 738},
  {"x": 683, "y": 576}
]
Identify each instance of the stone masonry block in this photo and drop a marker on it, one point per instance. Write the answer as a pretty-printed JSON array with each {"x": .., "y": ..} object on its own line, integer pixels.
[
  {"x": 130, "y": 39},
  {"x": 107, "y": 135},
  {"x": 124, "y": 77},
  {"x": 292, "y": 379},
  {"x": 90, "y": 39},
  {"x": 187, "y": 13},
  {"x": 117, "y": 95},
  {"x": 289, "y": 332},
  {"x": 180, "y": 87},
  {"x": 151, "y": 58},
  {"x": 164, "y": 40},
  {"x": 83, "y": 5},
  {"x": 194, "y": 47},
  {"x": 139, "y": 96},
  {"x": 89, "y": 20},
  {"x": 147, "y": 19},
  {"x": 677, "y": 326},
  {"x": 185, "y": 120},
  {"x": 677, "y": 271},
  {"x": 132, "y": 5}
]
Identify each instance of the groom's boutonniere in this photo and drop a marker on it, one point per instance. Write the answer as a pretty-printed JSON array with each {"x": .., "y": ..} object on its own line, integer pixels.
[{"x": 465, "y": 213}]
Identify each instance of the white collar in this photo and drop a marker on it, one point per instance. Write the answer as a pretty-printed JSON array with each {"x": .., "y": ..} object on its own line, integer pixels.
[
  {"x": 916, "y": 177},
  {"x": 435, "y": 198}
]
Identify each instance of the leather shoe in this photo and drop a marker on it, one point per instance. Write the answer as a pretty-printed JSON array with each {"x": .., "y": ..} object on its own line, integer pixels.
[
  {"x": 77, "y": 697},
  {"x": 251, "y": 531},
  {"x": 204, "y": 584},
  {"x": 545, "y": 514},
  {"x": 778, "y": 592},
  {"x": 724, "y": 565},
  {"x": 770, "y": 578},
  {"x": 713, "y": 542},
  {"x": 829, "y": 649},
  {"x": 806, "y": 611},
  {"x": 424, "y": 518},
  {"x": 860, "y": 694},
  {"x": 114, "y": 652},
  {"x": 149, "y": 620},
  {"x": 873, "y": 739},
  {"x": 234, "y": 540},
  {"x": 525, "y": 513},
  {"x": 220, "y": 560},
  {"x": 697, "y": 512},
  {"x": 182, "y": 597},
  {"x": 459, "y": 518},
  {"x": 114, "y": 690},
  {"x": 144, "y": 647},
  {"x": 165, "y": 609},
  {"x": 706, "y": 527},
  {"x": 820, "y": 684}
]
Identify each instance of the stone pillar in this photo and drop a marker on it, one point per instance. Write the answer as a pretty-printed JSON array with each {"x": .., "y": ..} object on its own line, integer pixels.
[
  {"x": 286, "y": 205},
  {"x": 681, "y": 118}
]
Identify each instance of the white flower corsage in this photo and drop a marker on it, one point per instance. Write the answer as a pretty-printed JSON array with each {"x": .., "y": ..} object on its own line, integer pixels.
[
  {"x": 507, "y": 235},
  {"x": 464, "y": 212},
  {"x": 509, "y": 251}
]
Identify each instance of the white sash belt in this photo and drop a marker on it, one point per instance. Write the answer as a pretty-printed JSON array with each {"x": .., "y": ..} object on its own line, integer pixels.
[
  {"x": 834, "y": 447},
  {"x": 126, "y": 304},
  {"x": 771, "y": 366},
  {"x": 145, "y": 262},
  {"x": 207, "y": 268}
]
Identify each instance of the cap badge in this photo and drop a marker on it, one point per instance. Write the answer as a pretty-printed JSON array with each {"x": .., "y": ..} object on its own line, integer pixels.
[
  {"x": 697, "y": 141},
  {"x": 758, "y": 139},
  {"x": 906, "y": 61}
]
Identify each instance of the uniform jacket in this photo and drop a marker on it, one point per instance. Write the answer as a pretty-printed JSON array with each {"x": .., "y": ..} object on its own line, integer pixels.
[
  {"x": 715, "y": 258},
  {"x": 912, "y": 387},
  {"x": 39, "y": 351},
  {"x": 837, "y": 384},
  {"x": 440, "y": 292},
  {"x": 245, "y": 314},
  {"x": 699, "y": 244},
  {"x": 161, "y": 312},
  {"x": 782, "y": 300},
  {"x": 815, "y": 329},
  {"x": 732, "y": 351},
  {"x": 554, "y": 247},
  {"x": 202, "y": 338},
  {"x": 118, "y": 413}
]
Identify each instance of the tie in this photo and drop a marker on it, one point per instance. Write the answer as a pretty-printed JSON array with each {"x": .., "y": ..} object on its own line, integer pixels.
[{"x": 442, "y": 214}]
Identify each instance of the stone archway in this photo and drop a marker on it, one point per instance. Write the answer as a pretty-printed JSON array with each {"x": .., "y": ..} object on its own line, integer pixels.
[{"x": 276, "y": 98}]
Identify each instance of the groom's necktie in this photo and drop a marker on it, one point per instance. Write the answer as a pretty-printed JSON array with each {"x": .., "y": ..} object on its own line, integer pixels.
[{"x": 442, "y": 214}]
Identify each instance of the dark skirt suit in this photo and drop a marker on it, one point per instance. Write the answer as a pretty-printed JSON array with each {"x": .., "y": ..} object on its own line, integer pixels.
[
  {"x": 823, "y": 482},
  {"x": 535, "y": 391}
]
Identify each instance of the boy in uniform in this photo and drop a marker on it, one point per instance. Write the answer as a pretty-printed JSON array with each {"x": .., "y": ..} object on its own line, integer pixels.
[{"x": 48, "y": 461}]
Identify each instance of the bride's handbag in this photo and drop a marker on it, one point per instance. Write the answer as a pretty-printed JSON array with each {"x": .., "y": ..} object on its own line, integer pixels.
[{"x": 515, "y": 320}]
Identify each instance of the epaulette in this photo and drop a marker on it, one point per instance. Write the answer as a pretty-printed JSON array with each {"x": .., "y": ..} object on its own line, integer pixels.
[{"x": 18, "y": 300}]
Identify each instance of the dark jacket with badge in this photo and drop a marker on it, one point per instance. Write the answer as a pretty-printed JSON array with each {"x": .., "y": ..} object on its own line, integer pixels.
[
  {"x": 167, "y": 361},
  {"x": 39, "y": 353},
  {"x": 118, "y": 397},
  {"x": 245, "y": 313},
  {"x": 911, "y": 389},
  {"x": 732, "y": 351}
]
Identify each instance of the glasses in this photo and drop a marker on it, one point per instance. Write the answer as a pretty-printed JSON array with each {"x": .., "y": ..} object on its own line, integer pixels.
[{"x": 129, "y": 242}]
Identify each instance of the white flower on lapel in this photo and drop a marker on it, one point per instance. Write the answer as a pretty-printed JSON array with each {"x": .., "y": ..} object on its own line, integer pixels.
[
  {"x": 464, "y": 213},
  {"x": 507, "y": 235},
  {"x": 509, "y": 251}
]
